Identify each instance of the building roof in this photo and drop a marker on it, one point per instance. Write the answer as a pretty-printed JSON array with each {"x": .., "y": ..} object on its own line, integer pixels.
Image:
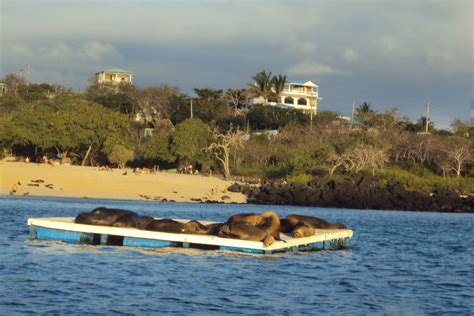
[
  {"x": 307, "y": 84},
  {"x": 310, "y": 84},
  {"x": 115, "y": 70}
]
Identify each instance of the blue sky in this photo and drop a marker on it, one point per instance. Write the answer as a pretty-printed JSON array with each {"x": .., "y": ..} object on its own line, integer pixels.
[{"x": 389, "y": 53}]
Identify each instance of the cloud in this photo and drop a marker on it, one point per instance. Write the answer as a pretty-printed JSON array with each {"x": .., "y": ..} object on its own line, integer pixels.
[
  {"x": 60, "y": 51},
  {"x": 350, "y": 55},
  {"x": 314, "y": 69},
  {"x": 368, "y": 50}
]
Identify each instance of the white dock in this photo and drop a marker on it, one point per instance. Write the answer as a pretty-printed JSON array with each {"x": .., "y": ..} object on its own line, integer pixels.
[{"x": 64, "y": 229}]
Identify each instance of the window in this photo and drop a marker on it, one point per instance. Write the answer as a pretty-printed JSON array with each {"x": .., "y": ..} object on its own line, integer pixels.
[
  {"x": 302, "y": 101},
  {"x": 289, "y": 100}
]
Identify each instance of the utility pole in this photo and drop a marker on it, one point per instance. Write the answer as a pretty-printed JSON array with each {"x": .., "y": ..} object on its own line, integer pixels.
[
  {"x": 352, "y": 114},
  {"x": 191, "y": 108},
  {"x": 428, "y": 106}
]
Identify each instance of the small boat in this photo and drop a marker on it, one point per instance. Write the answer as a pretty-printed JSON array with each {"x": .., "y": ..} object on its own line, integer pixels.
[{"x": 65, "y": 230}]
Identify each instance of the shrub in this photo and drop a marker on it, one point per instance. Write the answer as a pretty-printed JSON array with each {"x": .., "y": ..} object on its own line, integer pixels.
[
  {"x": 299, "y": 178},
  {"x": 120, "y": 155}
]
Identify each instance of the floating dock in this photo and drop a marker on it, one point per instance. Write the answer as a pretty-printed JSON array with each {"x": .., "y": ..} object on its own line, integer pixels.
[{"x": 64, "y": 229}]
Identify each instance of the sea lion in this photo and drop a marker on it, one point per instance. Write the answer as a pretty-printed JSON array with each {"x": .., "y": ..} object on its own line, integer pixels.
[
  {"x": 126, "y": 221},
  {"x": 245, "y": 231},
  {"x": 271, "y": 224},
  {"x": 249, "y": 218},
  {"x": 102, "y": 216},
  {"x": 288, "y": 224},
  {"x": 302, "y": 230},
  {"x": 196, "y": 228},
  {"x": 167, "y": 226},
  {"x": 214, "y": 228},
  {"x": 316, "y": 222},
  {"x": 143, "y": 221}
]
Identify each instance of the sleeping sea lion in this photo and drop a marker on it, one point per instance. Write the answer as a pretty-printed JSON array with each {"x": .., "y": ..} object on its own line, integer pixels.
[
  {"x": 245, "y": 231},
  {"x": 126, "y": 221},
  {"x": 214, "y": 228},
  {"x": 196, "y": 228},
  {"x": 102, "y": 216},
  {"x": 316, "y": 222},
  {"x": 250, "y": 218},
  {"x": 167, "y": 226},
  {"x": 143, "y": 221},
  {"x": 271, "y": 224},
  {"x": 288, "y": 224},
  {"x": 302, "y": 230}
]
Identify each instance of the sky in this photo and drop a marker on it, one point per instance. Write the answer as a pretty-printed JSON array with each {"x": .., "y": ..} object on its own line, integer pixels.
[{"x": 389, "y": 53}]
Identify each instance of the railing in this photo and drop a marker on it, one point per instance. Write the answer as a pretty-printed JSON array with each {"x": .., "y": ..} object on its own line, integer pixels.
[{"x": 300, "y": 91}]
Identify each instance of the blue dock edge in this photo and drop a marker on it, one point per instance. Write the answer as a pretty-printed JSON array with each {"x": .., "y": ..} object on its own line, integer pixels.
[{"x": 49, "y": 234}]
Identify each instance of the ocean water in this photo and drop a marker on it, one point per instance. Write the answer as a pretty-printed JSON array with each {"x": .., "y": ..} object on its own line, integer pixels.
[{"x": 402, "y": 263}]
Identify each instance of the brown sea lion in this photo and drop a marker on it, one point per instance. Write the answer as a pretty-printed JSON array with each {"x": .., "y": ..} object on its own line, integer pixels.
[
  {"x": 288, "y": 224},
  {"x": 316, "y": 222},
  {"x": 302, "y": 230},
  {"x": 214, "y": 228},
  {"x": 167, "y": 226},
  {"x": 196, "y": 228},
  {"x": 271, "y": 224},
  {"x": 102, "y": 216},
  {"x": 143, "y": 221},
  {"x": 249, "y": 218},
  {"x": 126, "y": 221},
  {"x": 245, "y": 231}
]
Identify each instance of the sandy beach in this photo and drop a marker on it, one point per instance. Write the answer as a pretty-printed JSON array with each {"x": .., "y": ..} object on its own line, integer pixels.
[{"x": 31, "y": 179}]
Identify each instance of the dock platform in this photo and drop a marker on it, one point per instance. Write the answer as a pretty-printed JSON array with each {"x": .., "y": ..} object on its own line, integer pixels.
[{"x": 65, "y": 230}]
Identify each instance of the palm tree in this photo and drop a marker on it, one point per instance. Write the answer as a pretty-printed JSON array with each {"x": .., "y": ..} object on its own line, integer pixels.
[
  {"x": 365, "y": 113},
  {"x": 278, "y": 84},
  {"x": 263, "y": 85}
]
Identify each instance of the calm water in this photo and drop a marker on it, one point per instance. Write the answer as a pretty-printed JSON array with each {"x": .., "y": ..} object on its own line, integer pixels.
[{"x": 400, "y": 263}]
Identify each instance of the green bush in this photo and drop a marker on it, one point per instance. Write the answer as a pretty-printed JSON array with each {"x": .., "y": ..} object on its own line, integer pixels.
[
  {"x": 299, "y": 178},
  {"x": 428, "y": 182}
]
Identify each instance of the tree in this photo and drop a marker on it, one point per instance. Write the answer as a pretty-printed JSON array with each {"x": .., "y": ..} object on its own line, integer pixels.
[
  {"x": 158, "y": 146},
  {"x": 156, "y": 101},
  {"x": 237, "y": 97},
  {"x": 178, "y": 108},
  {"x": 190, "y": 138},
  {"x": 365, "y": 113},
  {"x": 120, "y": 155},
  {"x": 210, "y": 106},
  {"x": 66, "y": 124},
  {"x": 357, "y": 158},
  {"x": 263, "y": 85},
  {"x": 460, "y": 152},
  {"x": 265, "y": 117},
  {"x": 462, "y": 128},
  {"x": 118, "y": 102},
  {"x": 278, "y": 84},
  {"x": 15, "y": 83},
  {"x": 222, "y": 146}
]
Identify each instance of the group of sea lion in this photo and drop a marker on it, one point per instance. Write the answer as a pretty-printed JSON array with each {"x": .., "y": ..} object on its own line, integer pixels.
[{"x": 265, "y": 227}]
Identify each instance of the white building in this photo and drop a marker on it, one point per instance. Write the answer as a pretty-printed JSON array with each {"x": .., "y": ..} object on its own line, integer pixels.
[
  {"x": 3, "y": 88},
  {"x": 114, "y": 76},
  {"x": 299, "y": 96}
]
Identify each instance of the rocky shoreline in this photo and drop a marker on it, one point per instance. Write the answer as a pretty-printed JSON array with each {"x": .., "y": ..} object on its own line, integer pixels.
[{"x": 361, "y": 192}]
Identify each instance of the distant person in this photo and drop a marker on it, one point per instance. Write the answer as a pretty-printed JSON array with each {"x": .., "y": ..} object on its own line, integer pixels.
[{"x": 14, "y": 189}]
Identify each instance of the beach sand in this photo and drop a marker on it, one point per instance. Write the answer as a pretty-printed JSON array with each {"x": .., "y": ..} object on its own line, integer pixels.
[{"x": 89, "y": 182}]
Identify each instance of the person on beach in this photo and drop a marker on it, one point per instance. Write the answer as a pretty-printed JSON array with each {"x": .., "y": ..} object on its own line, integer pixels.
[{"x": 14, "y": 189}]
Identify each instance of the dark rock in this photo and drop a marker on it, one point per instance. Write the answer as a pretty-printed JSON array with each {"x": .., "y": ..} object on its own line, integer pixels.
[
  {"x": 363, "y": 192},
  {"x": 235, "y": 188}
]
